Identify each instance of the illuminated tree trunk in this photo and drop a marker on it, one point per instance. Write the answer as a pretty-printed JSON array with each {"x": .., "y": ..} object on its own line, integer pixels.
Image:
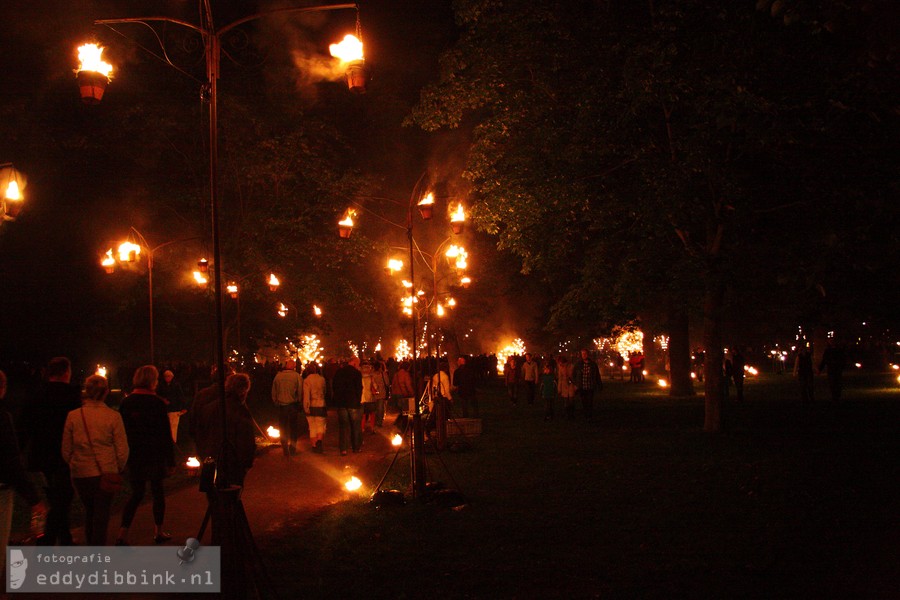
[
  {"x": 679, "y": 354},
  {"x": 712, "y": 343}
]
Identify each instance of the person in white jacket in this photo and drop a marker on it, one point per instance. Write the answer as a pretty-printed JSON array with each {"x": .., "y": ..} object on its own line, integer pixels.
[
  {"x": 94, "y": 442},
  {"x": 314, "y": 406}
]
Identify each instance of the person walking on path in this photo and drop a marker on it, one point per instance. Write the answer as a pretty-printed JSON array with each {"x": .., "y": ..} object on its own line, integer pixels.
[
  {"x": 151, "y": 455},
  {"x": 530, "y": 376},
  {"x": 287, "y": 394},
  {"x": 314, "y": 406},
  {"x": 381, "y": 389},
  {"x": 44, "y": 418},
  {"x": 13, "y": 477},
  {"x": 548, "y": 392},
  {"x": 511, "y": 374},
  {"x": 803, "y": 371},
  {"x": 94, "y": 443},
  {"x": 170, "y": 391},
  {"x": 832, "y": 364},
  {"x": 565, "y": 386},
  {"x": 586, "y": 377},
  {"x": 402, "y": 387},
  {"x": 368, "y": 397},
  {"x": 465, "y": 381},
  {"x": 240, "y": 438},
  {"x": 737, "y": 372},
  {"x": 347, "y": 389}
]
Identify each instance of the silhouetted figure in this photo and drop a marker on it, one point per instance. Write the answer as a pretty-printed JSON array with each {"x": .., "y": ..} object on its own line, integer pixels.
[
  {"x": 586, "y": 377},
  {"x": 803, "y": 371},
  {"x": 833, "y": 362},
  {"x": 737, "y": 373}
]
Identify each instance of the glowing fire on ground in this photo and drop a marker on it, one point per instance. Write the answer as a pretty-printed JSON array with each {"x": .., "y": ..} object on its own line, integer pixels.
[
  {"x": 353, "y": 484},
  {"x": 397, "y": 440},
  {"x": 101, "y": 371},
  {"x": 192, "y": 463},
  {"x": 273, "y": 432}
]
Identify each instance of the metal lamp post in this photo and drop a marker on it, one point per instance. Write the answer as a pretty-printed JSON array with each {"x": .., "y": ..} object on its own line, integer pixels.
[{"x": 227, "y": 521}]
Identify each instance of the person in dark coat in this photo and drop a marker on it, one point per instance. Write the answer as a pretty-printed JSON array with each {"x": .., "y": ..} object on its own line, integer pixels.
[
  {"x": 586, "y": 378},
  {"x": 44, "y": 418},
  {"x": 833, "y": 361},
  {"x": 240, "y": 442},
  {"x": 465, "y": 380},
  {"x": 738, "y": 362},
  {"x": 13, "y": 477},
  {"x": 151, "y": 450},
  {"x": 803, "y": 371},
  {"x": 347, "y": 390}
]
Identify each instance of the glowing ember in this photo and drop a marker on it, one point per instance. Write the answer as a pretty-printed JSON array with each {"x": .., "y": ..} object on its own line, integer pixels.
[
  {"x": 663, "y": 383},
  {"x": 108, "y": 262},
  {"x": 200, "y": 278},
  {"x": 101, "y": 371},
  {"x": 12, "y": 191},
  {"x": 128, "y": 252},
  {"x": 89, "y": 56},
  {"x": 459, "y": 215},
  {"x": 317, "y": 311},
  {"x": 348, "y": 49},
  {"x": 310, "y": 349},
  {"x": 273, "y": 433},
  {"x": 192, "y": 463},
  {"x": 397, "y": 440},
  {"x": 751, "y": 370},
  {"x": 353, "y": 484},
  {"x": 282, "y": 310}
]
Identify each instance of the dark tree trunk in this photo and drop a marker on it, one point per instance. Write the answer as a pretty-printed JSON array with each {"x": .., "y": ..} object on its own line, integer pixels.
[{"x": 680, "y": 354}]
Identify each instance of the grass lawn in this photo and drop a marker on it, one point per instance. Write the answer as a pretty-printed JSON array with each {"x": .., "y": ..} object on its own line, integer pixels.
[{"x": 642, "y": 503}]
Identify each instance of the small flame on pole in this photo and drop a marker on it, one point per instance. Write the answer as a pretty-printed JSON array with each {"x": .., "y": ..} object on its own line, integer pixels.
[
  {"x": 128, "y": 252},
  {"x": 317, "y": 311},
  {"x": 200, "y": 278},
  {"x": 273, "y": 282},
  {"x": 109, "y": 261}
]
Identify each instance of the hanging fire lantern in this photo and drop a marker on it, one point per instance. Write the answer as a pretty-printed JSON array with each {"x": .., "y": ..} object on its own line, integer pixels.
[
  {"x": 11, "y": 183},
  {"x": 345, "y": 225},
  {"x": 274, "y": 282},
  {"x": 232, "y": 289},
  {"x": 350, "y": 52},
  {"x": 357, "y": 76},
  {"x": 426, "y": 207},
  {"x": 93, "y": 74},
  {"x": 457, "y": 221},
  {"x": 109, "y": 262},
  {"x": 203, "y": 265}
]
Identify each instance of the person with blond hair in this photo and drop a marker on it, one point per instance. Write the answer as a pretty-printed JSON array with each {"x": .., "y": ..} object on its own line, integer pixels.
[
  {"x": 152, "y": 451},
  {"x": 94, "y": 442}
]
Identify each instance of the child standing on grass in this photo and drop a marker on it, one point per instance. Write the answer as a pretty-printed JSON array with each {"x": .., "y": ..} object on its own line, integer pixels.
[{"x": 548, "y": 391}]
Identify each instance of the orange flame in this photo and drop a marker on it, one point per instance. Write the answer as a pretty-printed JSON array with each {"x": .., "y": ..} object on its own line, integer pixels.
[
  {"x": 128, "y": 252},
  {"x": 89, "y": 56},
  {"x": 428, "y": 199},
  {"x": 347, "y": 221},
  {"x": 192, "y": 462},
  {"x": 282, "y": 310},
  {"x": 459, "y": 215},
  {"x": 12, "y": 191},
  {"x": 200, "y": 278},
  {"x": 347, "y": 50},
  {"x": 108, "y": 262},
  {"x": 273, "y": 432},
  {"x": 273, "y": 281},
  {"x": 317, "y": 310}
]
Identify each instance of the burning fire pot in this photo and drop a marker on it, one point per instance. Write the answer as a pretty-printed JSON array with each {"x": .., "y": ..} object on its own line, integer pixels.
[
  {"x": 357, "y": 76},
  {"x": 92, "y": 85}
]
